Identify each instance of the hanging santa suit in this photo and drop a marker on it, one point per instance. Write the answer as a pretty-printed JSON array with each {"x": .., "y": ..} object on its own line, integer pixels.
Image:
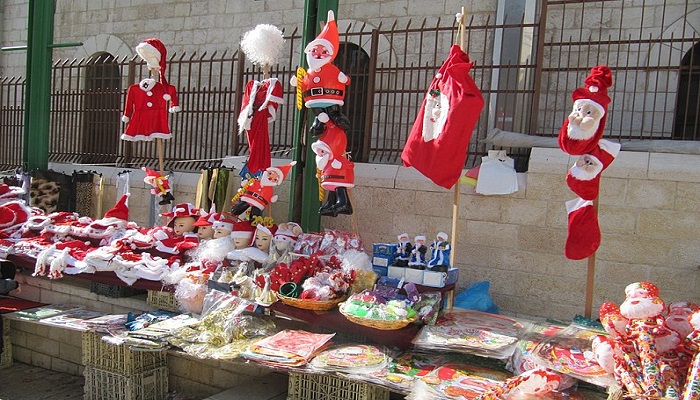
[
  {"x": 146, "y": 110},
  {"x": 438, "y": 143},
  {"x": 259, "y": 108}
]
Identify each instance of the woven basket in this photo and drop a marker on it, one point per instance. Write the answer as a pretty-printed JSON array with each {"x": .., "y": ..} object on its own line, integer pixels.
[
  {"x": 324, "y": 305},
  {"x": 378, "y": 323}
]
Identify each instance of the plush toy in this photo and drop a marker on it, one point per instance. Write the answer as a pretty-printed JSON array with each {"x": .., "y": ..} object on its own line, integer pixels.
[
  {"x": 282, "y": 244},
  {"x": 258, "y": 193},
  {"x": 160, "y": 185},
  {"x": 403, "y": 251},
  {"x": 440, "y": 253},
  {"x": 418, "y": 253}
]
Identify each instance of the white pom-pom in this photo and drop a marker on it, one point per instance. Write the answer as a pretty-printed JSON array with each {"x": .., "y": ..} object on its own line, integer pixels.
[
  {"x": 458, "y": 16},
  {"x": 438, "y": 75},
  {"x": 263, "y": 44},
  {"x": 593, "y": 89},
  {"x": 125, "y": 119},
  {"x": 167, "y": 97}
]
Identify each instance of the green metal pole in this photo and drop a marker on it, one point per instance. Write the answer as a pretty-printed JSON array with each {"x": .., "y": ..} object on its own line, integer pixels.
[
  {"x": 35, "y": 152},
  {"x": 304, "y": 182}
]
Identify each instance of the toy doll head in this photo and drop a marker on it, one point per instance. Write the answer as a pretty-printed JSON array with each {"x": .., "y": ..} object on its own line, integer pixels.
[
  {"x": 242, "y": 234},
  {"x": 263, "y": 236},
  {"x": 222, "y": 228},
  {"x": 642, "y": 301},
  {"x": 286, "y": 235},
  {"x": 323, "y": 49},
  {"x": 402, "y": 238},
  {"x": 419, "y": 240},
  {"x": 205, "y": 228},
  {"x": 677, "y": 318}
]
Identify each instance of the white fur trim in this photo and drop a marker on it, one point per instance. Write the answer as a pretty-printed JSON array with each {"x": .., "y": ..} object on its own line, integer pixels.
[
  {"x": 146, "y": 138},
  {"x": 319, "y": 145},
  {"x": 609, "y": 147},
  {"x": 147, "y": 51},
  {"x": 125, "y": 119},
  {"x": 575, "y": 204},
  {"x": 174, "y": 109}
]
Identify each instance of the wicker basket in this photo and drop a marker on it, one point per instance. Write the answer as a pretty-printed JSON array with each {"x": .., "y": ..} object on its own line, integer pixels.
[
  {"x": 328, "y": 387},
  {"x": 120, "y": 359},
  {"x": 378, "y": 323},
  {"x": 104, "y": 385},
  {"x": 162, "y": 300},
  {"x": 310, "y": 304}
]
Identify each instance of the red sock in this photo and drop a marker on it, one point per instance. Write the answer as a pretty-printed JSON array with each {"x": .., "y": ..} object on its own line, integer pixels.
[{"x": 583, "y": 237}]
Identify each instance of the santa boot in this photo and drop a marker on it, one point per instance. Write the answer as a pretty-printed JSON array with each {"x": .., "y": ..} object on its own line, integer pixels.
[
  {"x": 319, "y": 125},
  {"x": 167, "y": 198},
  {"x": 338, "y": 118},
  {"x": 342, "y": 206},
  {"x": 239, "y": 208},
  {"x": 583, "y": 236},
  {"x": 327, "y": 206},
  {"x": 584, "y": 176}
]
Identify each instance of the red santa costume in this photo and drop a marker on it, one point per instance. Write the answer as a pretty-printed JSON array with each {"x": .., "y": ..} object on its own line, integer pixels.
[
  {"x": 260, "y": 102},
  {"x": 336, "y": 170},
  {"x": 260, "y": 193},
  {"x": 146, "y": 107}
]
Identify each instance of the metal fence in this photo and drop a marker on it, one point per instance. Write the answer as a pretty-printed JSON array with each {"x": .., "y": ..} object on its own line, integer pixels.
[{"x": 526, "y": 66}]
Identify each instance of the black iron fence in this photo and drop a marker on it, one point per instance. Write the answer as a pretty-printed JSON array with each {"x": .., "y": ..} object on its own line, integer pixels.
[{"x": 526, "y": 66}]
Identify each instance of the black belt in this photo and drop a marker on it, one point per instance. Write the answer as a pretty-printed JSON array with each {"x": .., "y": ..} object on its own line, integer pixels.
[
  {"x": 333, "y": 177},
  {"x": 323, "y": 91},
  {"x": 257, "y": 196}
]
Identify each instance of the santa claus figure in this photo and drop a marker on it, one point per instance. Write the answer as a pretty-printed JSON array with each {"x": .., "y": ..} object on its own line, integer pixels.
[
  {"x": 403, "y": 251},
  {"x": 160, "y": 185},
  {"x": 257, "y": 194},
  {"x": 149, "y": 101},
  {"x": 337, "y": 172},
  {"x": 323, "y": 87}
]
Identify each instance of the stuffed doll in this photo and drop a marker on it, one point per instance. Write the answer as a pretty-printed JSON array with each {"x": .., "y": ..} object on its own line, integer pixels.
[
  {"x": 337, "y": 172},
  {"x": 282, "y": 244},
  {"x": 418, "y": 253},
  {"x": 257, "y": 194},
  {"x": 440, "y": 254},
  {"x": 160, "y": 185},
  {"x": 403, "y": 251}
]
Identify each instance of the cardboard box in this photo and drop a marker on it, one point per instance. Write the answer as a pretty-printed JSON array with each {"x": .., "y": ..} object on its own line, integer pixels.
[
  {"x": 414, "y": 275},
  {"x": 381, "y": 261},
  {"x": 440, "y": 279},
  {"x": 385, "y": 249},
  {"x": 381, "y": 271},
  {"x": 396, "y": 272}
]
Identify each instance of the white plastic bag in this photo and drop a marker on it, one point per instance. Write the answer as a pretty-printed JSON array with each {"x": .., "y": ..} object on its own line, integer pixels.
[{"x": 497, "y": 174}]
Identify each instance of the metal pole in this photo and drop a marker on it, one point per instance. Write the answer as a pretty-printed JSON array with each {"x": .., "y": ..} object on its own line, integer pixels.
[{"x": 35, "y": 152}]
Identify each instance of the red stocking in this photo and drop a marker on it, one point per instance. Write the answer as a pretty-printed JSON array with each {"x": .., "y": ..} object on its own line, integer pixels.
[{"x": 583, "y": 236}]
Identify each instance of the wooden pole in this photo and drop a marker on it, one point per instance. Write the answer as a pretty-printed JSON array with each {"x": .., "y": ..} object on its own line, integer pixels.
[
  {"x": 455, "y": 198},
  {"x": 590, "y": 277}
]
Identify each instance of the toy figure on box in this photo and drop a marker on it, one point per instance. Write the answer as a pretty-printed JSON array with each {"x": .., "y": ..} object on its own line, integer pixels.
[
  {"x": 440, "y": 253},
  {"x": 146, "y": 107},
  {"x": 160, "y": 185},
  {"x": 257, "y": 194},
  {"x": 418, "y": 253},
  {"x": 403, "y": 251}
]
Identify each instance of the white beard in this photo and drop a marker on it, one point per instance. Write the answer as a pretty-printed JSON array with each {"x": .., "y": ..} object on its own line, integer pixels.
[
  {"x": 645, "y": 308},
  {"x": 576, "y": 133},
  {"x": 215, "y": 249},
  {"x": 316, "y": 63},
  {"x": 321, "y": 162},
  {"x": 265, "y": 180}
]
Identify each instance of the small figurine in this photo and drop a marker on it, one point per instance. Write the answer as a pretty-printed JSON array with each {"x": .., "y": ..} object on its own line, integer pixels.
[
  {"x": 418, "y": 253},
  {"x": 403, "y": 251},
  {"x": 160, "y": 185},
  {"x": 257, "y": 194},
  {"x": 440, "y": 253}
]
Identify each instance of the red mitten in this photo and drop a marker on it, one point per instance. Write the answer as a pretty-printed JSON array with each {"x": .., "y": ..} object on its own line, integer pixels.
[
  {"x": 583, "y": 237},
  {"x": 584, "y": 176}
]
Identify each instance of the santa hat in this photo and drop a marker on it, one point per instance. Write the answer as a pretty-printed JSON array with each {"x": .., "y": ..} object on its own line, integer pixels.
[
  {"x": 224, "y": 223},
  {"x": 270, "y": 230},
  {"x": 13, "y": 214},
  {"x": 208, "y": 219},
  {"x": 641, "y": 289},
  {"x": 177, "y": 245},
  {"x": 333, "y": 141},
  {"x": 328, "y": 38},
  {"x": 242, "y": 229},
  {"x": 181, "y": 210},
  {"x": 596, "y": 94},
  {"x": 153, "y": 51},
  {"x": 584, "y": 176},
  {"x": 287, "y": 234},
  {"x": 282, "y": 170},
  {"x": 120, "y": 211},
  {"x": 583, "y": 236},
  {"x": 7, "y": 191}
]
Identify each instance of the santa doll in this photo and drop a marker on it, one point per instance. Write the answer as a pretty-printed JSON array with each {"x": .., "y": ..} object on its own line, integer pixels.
[
  {"x": 323, "y": 86},
  {"x": 258, "y": 193},
  {"x": 160, "y": 185},
  {"x": 440, "y": 253},
  {"x": 418, "y": 253},
  {"x": 337, "y": 172},
  {"x": 149, "y": 101},
  {"x": 403, "y": 251}
]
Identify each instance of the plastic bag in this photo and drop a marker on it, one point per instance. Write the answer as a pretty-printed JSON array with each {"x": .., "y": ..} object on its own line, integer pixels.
[
  {"x": 476, "y": 297},
  {"x": 497, "y": 174}
]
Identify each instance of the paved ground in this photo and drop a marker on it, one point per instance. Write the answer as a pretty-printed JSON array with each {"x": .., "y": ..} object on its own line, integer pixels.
[{"x": 24, "y": 382}]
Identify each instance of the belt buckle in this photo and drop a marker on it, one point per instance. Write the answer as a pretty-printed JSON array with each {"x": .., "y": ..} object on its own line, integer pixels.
[{"x": 316, "y": 91}]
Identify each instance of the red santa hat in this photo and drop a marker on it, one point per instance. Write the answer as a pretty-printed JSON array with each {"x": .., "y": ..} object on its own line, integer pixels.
[
  {"x": 596, "y": 94},
  {"x": 641, "y": 289},
  {"x": 328, "y": 38},
  {"x": 13, "y": 214},
  {"x": 282, "y": 170},
  {"x": 287, "y": 234},
  {"x": 269, "y": 230},
  {"x": 333, "y": 141},
  {"x": 120, "y": 211},
  {"x": 181, "y": 210},
  {"x": 208, "y": 219},
  {"x": 7, "y": 191},
  {"x": 153, "y": 51},
  {"x": 584, "y": 176},
  {"x": 242, "y": 229},
  {"x": 224, "y": 223}
]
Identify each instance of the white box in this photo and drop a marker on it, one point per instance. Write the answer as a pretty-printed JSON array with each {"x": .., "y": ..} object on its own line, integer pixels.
[
  {"x": 396, "y": 272},
  {"x": 414, "y": 275},
  {"x": 440, "y": 279}
]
